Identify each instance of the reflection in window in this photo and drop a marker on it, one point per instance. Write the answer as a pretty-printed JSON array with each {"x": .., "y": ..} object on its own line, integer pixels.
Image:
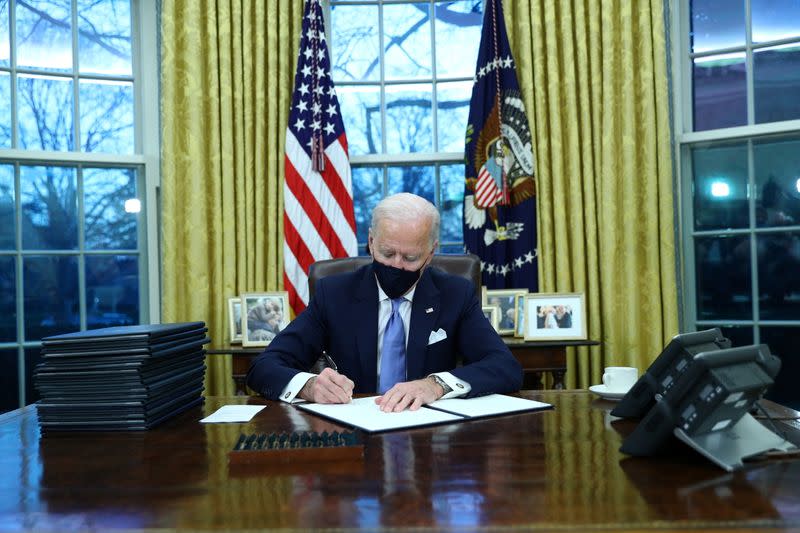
[
  {"x": 107, "y": 224},
  {"x": 49, "y": 208},
  {"x": 774, "y": 19},
  {"x": 355, "y": 43},
  {"x": 409, "y": 119},
  {"x": 720, "y": 187},
  {"x": 50, "y": 288},
  {"x": 44, "y": 34},
  {"x": 8, "y": 222},
  {"x": 720, "y": 91},
  {"x": 8, "y": 299},
  {"x": 417, "y": 180},
  {"x": 776, "y": 83},
  {"x": 716, "y": 24},
  {"x": 778, "y": 282},
  {"x": 104, "y": 38},
  {"x": 112, "y": 291},
  {"x": 777, "y": 174},
  {"x": 452, "y": 112},
  {"x": 5, "y": 110},
  {"x": 367, "y": 192},
  {"x": 458, "y": 34},
  {"x": 106, "y": 116},
  {"x": 44, "y": 113},
  {"x": 361, "y": 113},
  {"x": 5, "y": 47},
  {"x": 407, "y": 41},
  {"x": 722, "y": 273},
  {"x": 451, "y": 204}
]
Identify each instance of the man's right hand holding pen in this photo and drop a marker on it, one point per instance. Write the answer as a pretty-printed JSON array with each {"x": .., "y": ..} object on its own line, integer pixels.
[{"x": 328, "y": 387}]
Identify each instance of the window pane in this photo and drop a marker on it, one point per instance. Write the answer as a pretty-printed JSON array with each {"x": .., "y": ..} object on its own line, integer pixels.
[
  {"x": 782, "y": 341},
  {"x": 408, "y": 118},
  {"x": 367, "y": 192},
  {"x": 104, "y": 38},
  {"x": 723, "y": 278},
  {"x": 355, "y": 43},
  {"x": 361, "y": 112},
  {"x": 5, "y": 35},
  {"x": 7, "y": 219},
  {"x": 451, "y": 191},
  {"x": 776, "y": 83},
  {"x": 777, "y": 181},
  {"x": 716, "y": 24},
  {"x": 44, "y": 107},
  {"x": 106, "y": 116},
  {"x": 49, "y": 208},
  {"x": 5, "y": 110},
  {"x": 720, "y": 91},
  {"x": 452, "y": 102},
  {"x": 50, "y": 286},
  {"x": 779, "y": 275},
  {"x": 407, "y": 41},
  {"x": 738, "y": 335},
  {"x": 458, "y": 34},
  {"x": 417, "y": 180},
  {"x": 32, "y": 358},
  {"x": 8, "y": 300},
  {"x": 112, "y": 291},
  {"x": 108, "y": 225},
  {"x": 44, "y": 35},
  {"x": 9, "y": 387},
  {"x": 774, "y": 19},
  {"x": 720, "y": 187}
]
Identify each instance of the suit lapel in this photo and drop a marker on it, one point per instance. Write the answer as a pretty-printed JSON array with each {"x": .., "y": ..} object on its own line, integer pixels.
[
  {"x": 424, "y": 312},
  {"x": 366, "y": 309}
]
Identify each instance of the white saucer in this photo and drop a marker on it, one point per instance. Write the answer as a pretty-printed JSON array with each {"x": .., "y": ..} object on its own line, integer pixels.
[{"x": 606, "y": 394}]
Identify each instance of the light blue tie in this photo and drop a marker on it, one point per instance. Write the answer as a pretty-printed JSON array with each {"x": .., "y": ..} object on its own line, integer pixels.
[{"x": 393, "y": 353}]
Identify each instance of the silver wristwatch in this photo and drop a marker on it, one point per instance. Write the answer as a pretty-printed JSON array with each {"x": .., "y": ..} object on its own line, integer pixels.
[{"x": 439, "y": 381}]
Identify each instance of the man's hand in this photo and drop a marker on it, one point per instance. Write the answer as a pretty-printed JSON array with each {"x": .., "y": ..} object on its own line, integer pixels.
[
  {"x": 410, "y": 395},
  {"x": 328, "y": 387}
]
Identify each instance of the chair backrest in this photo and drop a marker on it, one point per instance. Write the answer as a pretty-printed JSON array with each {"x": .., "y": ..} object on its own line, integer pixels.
[{"x": 467, "y": 266}]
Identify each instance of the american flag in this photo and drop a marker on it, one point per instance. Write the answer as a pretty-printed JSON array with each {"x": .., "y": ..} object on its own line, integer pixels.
[{"x": 318, "y": 219}]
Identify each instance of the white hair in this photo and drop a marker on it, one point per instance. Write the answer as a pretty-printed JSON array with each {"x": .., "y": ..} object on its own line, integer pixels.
[{"x": 405, "y": 207}]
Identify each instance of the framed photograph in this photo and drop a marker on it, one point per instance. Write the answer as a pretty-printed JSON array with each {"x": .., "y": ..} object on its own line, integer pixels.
[
  {"x": 506, "y": 300},
  {"x": 491, "y": 312},
  {"x": 235, "y": 319},
  {"x": 264, "y": 314},
  {"x": 555, "y": 316},
  {"x": 519, "y": 332}
]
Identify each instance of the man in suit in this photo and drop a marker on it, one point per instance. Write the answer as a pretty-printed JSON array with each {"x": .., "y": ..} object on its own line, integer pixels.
[{"x": 394, "y": 327}]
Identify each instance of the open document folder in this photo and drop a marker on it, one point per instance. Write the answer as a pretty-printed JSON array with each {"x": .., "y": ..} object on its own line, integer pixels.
[{"x": 365, "y": 414}]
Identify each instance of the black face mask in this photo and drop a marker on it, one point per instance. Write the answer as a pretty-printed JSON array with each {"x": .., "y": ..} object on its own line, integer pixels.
[{"x": 394, "y": 281}]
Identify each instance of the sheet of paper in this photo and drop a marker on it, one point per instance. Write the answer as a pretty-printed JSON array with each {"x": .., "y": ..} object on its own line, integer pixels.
[
  {"x": 233, "y": 413},
  {"x": 489, "y": 405},
  {"x": 365, "y": 414}
]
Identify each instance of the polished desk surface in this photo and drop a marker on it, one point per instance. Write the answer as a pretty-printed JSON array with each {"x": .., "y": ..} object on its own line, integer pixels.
[{"x": 558, "y": 469}]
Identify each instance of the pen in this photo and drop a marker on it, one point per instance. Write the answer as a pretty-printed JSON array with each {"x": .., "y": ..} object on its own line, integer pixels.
[{"x": 330, "y": 361}]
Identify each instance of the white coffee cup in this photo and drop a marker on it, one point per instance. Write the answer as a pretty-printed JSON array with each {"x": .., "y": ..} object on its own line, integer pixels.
[{"x": 620, "y": 378}]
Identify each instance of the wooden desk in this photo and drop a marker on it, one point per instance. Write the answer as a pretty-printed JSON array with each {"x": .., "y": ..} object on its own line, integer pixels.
[
  {"x": 555, "y": 470},
  {"x": 536, "y": 357}
]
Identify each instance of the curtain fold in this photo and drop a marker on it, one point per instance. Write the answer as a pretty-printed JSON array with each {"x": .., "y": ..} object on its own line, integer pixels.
[
  {"x": 594, "y": 74},
  {"x": 227, "y": 71}
]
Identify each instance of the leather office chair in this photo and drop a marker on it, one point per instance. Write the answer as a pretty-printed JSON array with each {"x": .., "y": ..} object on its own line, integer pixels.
[{"x": 467, "y": 266}]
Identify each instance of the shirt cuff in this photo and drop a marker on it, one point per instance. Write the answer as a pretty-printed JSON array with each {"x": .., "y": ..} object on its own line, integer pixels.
[
  {"x": 293, "y": 388},
  {"x": 459, "y": 387}
]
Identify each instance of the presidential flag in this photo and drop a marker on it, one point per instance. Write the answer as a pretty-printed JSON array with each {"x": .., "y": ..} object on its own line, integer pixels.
[
  {"x": 318, "y": 218},
  {"x": 499, "y": 194}
]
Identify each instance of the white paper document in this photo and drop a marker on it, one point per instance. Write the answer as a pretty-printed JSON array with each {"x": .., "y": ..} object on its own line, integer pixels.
[
  {"x": 489, "y": 405},
  {"x": 367, "y": 415},
  {"x": 364, "y": 413},
  {"x": 233, "y": 413}
]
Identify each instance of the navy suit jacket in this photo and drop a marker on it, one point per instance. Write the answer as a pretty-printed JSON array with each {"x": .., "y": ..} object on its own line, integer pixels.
[{"x": 342, "y": 319}]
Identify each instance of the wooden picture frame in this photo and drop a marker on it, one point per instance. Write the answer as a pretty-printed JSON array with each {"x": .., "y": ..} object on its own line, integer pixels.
[
  {"x": 235, "y": 320},
  {"x": 555, "y": 316},
  {"x": 264, "y": 315},
  {"x": 506, "y": 300},
  {"x": 491, "y": 312}
]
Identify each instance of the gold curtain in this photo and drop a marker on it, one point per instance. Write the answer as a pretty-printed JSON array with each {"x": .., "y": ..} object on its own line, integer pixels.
[
  {"x": 593, "y": 77},
  {"x": 227, "y": 70}
]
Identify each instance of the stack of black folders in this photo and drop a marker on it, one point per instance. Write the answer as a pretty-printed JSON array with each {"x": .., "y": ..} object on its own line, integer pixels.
[
  {"x": 120, "y": 378},
  {"x": 298, "y": 448}
]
